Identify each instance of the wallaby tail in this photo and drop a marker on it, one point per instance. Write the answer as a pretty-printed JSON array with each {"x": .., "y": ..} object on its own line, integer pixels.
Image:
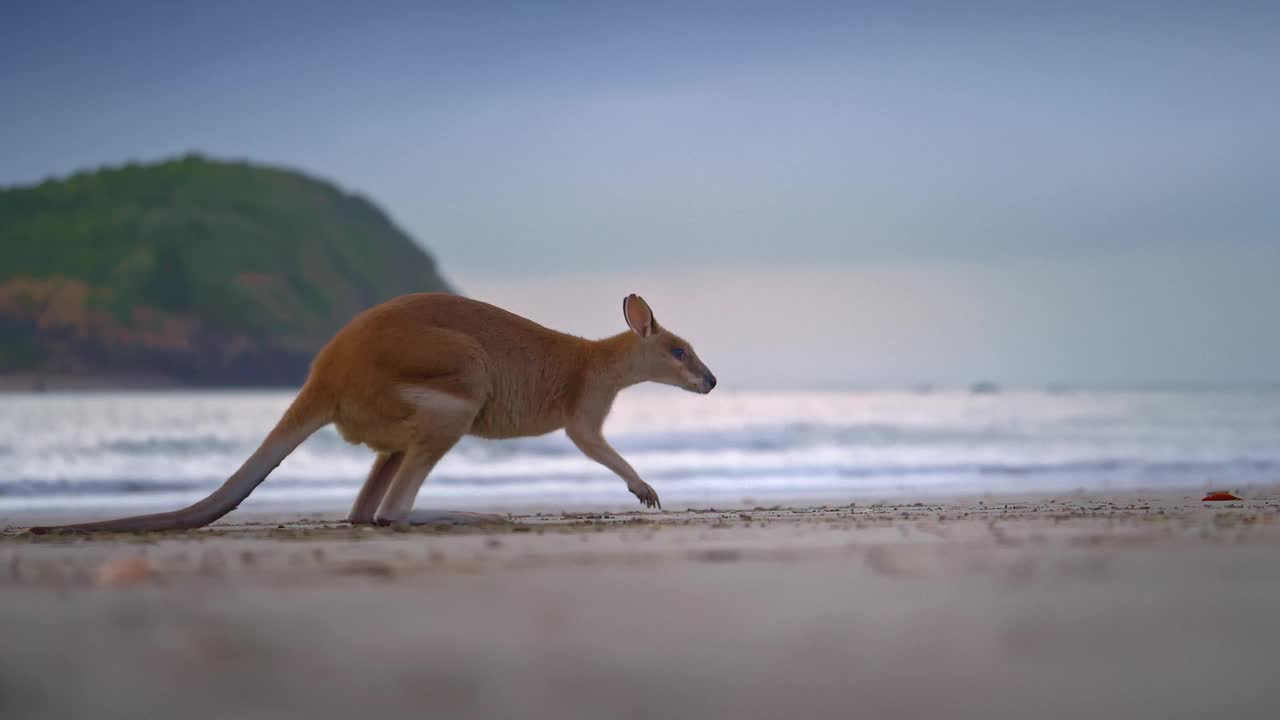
[{"x": 308, "y": 413}]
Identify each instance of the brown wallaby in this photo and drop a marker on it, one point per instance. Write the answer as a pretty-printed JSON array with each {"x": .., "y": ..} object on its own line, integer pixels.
[{"x": 410, "y": 377}]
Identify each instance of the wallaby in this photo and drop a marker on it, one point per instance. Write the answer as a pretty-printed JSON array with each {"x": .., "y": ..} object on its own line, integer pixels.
[{"x": 410, "y": 377}]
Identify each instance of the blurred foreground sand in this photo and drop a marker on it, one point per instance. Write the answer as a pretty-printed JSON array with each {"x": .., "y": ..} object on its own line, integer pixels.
[{"x": 1147, "y": 604}]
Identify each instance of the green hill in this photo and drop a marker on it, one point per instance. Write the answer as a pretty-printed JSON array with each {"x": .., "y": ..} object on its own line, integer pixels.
[{"x": 189, "y": 272}]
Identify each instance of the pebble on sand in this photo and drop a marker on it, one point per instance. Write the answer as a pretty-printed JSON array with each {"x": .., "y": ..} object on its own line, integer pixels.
[{"x": 123, "y": 571}]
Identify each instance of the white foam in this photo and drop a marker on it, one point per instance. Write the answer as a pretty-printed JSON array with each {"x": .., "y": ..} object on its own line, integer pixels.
[{"x": 65, "y": 449}]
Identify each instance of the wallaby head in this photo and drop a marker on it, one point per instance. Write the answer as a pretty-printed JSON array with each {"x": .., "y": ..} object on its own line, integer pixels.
[{"x": 661, "y": 355}]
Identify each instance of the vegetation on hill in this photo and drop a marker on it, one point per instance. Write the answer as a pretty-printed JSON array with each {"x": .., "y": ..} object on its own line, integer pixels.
[{"x": 191, "y": 271}]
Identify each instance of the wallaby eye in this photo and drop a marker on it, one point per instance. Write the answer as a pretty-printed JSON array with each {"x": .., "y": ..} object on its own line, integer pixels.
[{"x": 677, "y": 353}]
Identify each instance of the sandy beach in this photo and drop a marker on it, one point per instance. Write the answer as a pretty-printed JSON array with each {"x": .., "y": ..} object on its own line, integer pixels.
[{"x": 1142, "y": 604}]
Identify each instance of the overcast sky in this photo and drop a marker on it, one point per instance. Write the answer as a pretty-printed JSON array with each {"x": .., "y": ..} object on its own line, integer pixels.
[{"x": 814, "y": 193}]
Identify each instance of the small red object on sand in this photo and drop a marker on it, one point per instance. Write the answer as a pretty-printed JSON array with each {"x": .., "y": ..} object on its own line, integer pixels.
[{"x": 1219, "y": 496}]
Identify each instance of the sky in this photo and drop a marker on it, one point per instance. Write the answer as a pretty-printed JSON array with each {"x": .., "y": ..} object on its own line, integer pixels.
[{"x": 815, "y": 194}]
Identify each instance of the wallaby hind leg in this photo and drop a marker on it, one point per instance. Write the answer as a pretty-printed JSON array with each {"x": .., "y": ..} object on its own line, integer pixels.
[
  {"x": 418, "y": 462},
  {"x": 375, "y": 488},
  {"x": 439, "y": 423}
]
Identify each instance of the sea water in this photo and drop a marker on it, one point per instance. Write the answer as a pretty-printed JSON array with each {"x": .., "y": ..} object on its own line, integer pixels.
[{"x": 157, "y": 449}]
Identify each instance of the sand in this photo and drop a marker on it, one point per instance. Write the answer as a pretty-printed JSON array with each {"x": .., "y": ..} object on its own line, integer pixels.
[{"x": 1137, "y": 605}]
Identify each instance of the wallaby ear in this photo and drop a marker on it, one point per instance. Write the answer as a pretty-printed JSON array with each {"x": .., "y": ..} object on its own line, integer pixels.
[{"x": 639, "y": 316}]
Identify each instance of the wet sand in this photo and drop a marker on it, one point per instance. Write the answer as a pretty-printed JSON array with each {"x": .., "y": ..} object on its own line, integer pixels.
[{"x": 1141, "y": 604}]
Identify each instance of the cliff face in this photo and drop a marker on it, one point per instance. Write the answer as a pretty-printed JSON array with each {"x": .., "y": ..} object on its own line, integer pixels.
[{"x": 190, "y": 272}]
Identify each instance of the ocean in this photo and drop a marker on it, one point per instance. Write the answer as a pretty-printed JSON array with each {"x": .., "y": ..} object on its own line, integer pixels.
[{"x": 148, "y": 450}]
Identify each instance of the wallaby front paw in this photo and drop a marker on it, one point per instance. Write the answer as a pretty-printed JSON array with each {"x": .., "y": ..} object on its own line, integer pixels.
[{"x": 648, "y": 496}]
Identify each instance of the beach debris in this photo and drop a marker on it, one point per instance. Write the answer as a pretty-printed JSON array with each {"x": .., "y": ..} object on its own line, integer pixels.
[
  {"x": 123, "y": 571},
  {"x": 367, "y": 568},
  {"x": 898, "y": 561},
  {"x": 720, "y": 555},
  {"x": 1220, "y": 497}
]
